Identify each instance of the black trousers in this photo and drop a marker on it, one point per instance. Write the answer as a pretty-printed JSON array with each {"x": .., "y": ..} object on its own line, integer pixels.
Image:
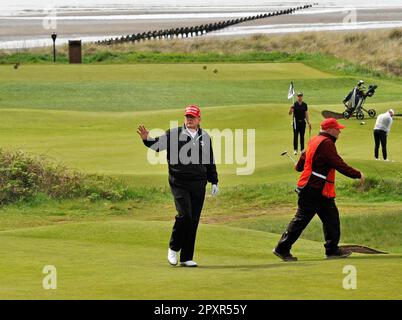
[
  {"x": 311, "y": 202},
  {"x": 299, "y": 128},
  {"x": 380, "y": 137},
  {"x": 189, "y": 199}
]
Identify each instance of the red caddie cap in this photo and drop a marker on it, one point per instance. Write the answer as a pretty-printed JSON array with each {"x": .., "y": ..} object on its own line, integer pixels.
[
  {"x": 331, "y": 123},
  {"x": 193, "y": 110}
]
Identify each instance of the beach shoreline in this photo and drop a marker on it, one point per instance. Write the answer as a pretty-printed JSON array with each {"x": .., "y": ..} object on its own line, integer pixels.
[{"x": 28, "y": 32}]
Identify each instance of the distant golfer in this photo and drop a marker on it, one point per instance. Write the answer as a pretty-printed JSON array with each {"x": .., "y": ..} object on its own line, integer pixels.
[
  {"x": 191, "y": 166},
  {"x": 316, "y": 189},
  {"x": 382, "y": 129},
  {"x": 300, "y": 117}
]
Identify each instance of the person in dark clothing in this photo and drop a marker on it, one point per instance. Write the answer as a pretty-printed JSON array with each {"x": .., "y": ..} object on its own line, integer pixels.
[
  {"x": 300, "y": 117},
  {"x": 380, "y": 138},
  {"x": 382, "y": 129},
  {"x": 316, "y": 190},
  {"x": 191, "y": 165}
]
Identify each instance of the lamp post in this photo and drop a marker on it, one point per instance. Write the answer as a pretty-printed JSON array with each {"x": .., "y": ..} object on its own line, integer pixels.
[{"x": 54, "y": 36}]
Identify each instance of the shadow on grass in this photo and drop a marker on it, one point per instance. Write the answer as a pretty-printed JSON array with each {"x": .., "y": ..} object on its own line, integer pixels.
[
  {"x": 360, "y": 257},
  {"x": 377, "y": 257},
  {"x": 253, "y": 266}
]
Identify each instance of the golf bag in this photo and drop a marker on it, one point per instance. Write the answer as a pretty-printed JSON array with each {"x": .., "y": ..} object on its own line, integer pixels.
[{"x": 354, "y": 102}]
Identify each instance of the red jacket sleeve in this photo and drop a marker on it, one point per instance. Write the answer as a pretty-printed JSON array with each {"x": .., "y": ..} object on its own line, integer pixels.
[
  {"x": 332, "y": 157},
  {"x": 299, "y": 167}
]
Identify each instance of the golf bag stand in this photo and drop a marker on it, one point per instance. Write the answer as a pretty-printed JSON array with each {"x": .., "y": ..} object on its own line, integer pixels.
[{"x": 354, "y": 103}]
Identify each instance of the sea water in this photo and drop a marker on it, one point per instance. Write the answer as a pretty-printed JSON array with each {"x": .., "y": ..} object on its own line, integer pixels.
[{"x": 175, "y": 10}]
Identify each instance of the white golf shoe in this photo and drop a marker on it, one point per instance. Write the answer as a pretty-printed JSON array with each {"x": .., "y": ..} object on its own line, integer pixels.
[
  {"x": 190, "y": 264},
  {"x": 172, "y": 257},
  {"x": 295, "y": 152}
]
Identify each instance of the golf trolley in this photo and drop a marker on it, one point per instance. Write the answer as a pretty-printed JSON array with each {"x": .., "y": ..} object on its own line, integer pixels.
[{"x": 354, "y": 102}]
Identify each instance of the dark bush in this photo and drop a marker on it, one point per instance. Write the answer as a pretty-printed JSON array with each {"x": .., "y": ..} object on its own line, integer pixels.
[{"x": 23, "y": 176}]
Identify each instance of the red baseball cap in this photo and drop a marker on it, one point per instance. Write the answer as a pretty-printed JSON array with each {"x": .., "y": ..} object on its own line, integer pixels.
[
  {"x": 331, "y": 123},
  {"x": 193, "y": 110}
]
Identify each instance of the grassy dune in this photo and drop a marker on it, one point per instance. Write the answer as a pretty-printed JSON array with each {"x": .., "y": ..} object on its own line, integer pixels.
[
  {"x": 86, "y": 116},
  {"x": 350, "y": 52}
]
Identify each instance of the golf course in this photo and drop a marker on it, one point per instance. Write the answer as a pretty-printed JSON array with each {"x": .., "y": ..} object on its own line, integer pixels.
[{"x": 85, "y": 117}]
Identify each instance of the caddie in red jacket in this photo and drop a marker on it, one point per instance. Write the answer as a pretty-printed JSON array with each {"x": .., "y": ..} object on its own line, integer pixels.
[{"x": 316, "y": 189}]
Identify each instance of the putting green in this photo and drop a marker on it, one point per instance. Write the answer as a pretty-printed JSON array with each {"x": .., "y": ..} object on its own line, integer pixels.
[{"x": 126, "y": 260}]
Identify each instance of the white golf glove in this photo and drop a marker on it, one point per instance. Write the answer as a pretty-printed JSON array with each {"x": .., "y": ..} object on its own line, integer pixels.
[{"x": 215, "y": 189}]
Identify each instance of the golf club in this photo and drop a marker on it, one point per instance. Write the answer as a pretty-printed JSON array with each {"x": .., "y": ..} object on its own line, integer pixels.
[{"x": 285, "y": 153}]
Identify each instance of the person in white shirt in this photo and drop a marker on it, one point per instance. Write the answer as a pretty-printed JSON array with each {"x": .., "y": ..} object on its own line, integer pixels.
[{"x": 381, "y": 131}]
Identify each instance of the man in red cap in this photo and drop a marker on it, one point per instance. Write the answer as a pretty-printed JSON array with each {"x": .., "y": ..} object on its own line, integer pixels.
[
  {"x": 191, "y": 166},
  {"x": 316, "y": 189}
]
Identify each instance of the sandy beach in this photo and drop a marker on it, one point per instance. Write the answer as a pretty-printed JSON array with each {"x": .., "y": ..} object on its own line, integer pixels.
[{"x": 28, "y": 31}]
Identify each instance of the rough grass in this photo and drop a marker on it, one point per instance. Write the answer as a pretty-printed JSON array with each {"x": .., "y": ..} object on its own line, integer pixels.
[
  {"x": 33, "y": 179},
  {"x": 24, "y": 176},
  {"x": 355, "y": 51}
]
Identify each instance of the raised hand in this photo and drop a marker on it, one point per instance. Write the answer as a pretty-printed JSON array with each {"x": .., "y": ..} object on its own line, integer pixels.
[{"x": 142, "y": 132}]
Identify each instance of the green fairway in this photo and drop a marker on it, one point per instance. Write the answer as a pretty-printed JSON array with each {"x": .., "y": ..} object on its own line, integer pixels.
[
  {"x": 86, "y": 117},
  {"x": 153, "y": 87},
  {"x": 106, "y": 142},
  {"x": 126, "y": 259}
]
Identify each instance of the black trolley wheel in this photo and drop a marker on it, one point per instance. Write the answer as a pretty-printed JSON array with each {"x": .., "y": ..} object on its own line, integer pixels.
[
  {"x": 372, "y": 113},
  {"x": 360, "y": 115}
]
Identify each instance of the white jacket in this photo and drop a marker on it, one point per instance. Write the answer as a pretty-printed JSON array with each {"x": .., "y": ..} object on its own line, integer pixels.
[{"x": 384, "y": 122}]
